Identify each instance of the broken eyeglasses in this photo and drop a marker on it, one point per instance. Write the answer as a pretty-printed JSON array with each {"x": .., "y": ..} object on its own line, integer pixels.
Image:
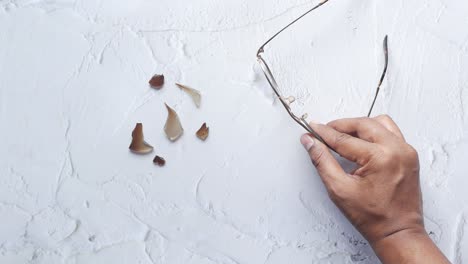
[{"x": 286, "y": 101}]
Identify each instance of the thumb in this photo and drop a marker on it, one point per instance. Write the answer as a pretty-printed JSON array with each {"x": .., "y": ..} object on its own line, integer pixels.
[{"x": 327, "y": 166}]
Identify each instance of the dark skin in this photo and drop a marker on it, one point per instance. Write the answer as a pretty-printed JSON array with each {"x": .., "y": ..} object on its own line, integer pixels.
[{"x": 382, "y": 197}]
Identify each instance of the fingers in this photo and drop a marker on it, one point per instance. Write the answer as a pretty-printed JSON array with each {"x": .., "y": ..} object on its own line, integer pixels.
[
  {"x": 365, "y": 128},
  {"x": 389, "y": 124},
  {"x": 349, "y": 147},
  {"x": 328, "y": 168}
]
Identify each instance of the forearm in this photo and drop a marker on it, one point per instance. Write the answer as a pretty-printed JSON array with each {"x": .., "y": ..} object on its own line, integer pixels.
[{"x": 409, "y": 247}]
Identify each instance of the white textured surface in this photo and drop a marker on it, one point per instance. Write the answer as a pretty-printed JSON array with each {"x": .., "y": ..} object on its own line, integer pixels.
[{"x": 73, "y": 83}]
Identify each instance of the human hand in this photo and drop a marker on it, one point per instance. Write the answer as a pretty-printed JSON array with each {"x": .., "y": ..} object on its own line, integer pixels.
[{"x": 382, "y": 197}]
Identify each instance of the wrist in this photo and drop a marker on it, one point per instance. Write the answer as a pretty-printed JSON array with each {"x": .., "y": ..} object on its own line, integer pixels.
[
  {"x": 398, "y": 238},
  {"x": 412, "y": 245}
]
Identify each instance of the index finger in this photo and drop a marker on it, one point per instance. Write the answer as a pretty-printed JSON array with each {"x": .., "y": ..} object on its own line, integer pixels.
[
  {"x": 363, "y": 127},
  {"x": 349, "y": 147}
]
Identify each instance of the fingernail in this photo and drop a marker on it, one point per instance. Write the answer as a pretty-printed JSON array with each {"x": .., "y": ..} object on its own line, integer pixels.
[{"x": 307, "y": 141}]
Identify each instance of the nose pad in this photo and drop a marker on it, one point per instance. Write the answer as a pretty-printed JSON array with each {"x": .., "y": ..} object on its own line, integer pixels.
[{"x": 289, "y": 100}]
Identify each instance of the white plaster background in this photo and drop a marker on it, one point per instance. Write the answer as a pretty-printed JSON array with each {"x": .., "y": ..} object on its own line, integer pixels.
[{"x": 73, "y": 83}]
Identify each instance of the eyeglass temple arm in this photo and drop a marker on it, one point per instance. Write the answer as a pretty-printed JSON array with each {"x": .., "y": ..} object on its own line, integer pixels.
[
  {"x": 261, "y": 49},
  {"x": 382, "y": 77}
]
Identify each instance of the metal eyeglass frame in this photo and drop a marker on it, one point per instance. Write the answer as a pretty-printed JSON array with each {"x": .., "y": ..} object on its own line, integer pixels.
[{"x": 274, "y": 85}]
